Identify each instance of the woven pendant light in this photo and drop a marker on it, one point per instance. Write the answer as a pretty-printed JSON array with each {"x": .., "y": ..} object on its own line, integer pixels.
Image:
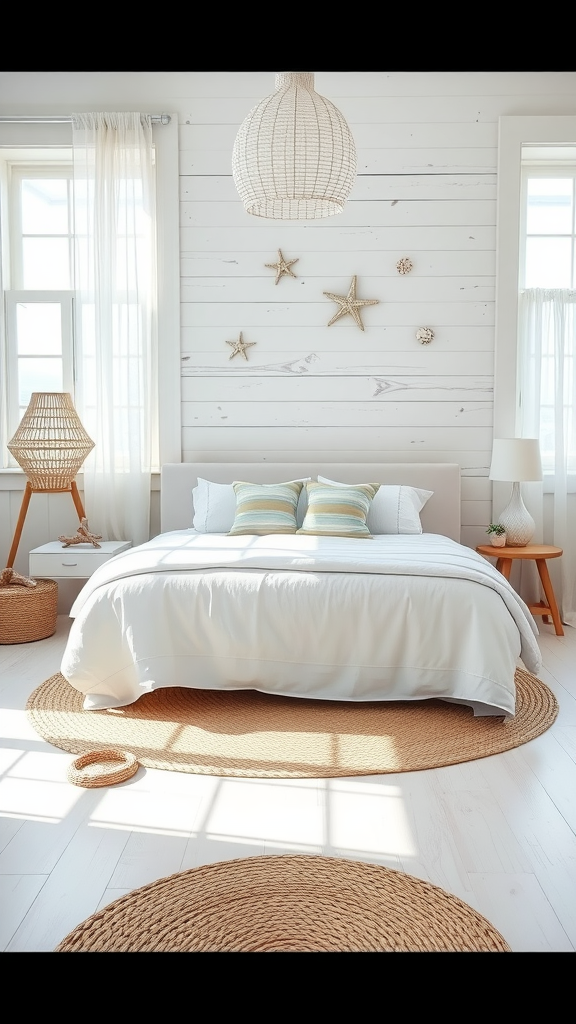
[{"x": 294, "y": 157}]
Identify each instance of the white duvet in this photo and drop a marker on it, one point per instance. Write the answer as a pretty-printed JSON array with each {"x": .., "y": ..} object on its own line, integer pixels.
[{"x": 393, "y": 618}]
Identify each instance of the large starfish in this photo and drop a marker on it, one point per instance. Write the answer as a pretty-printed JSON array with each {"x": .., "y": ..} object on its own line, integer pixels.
[
  {"x": 282, "y": 267},
  {"x": 349, "y": 304},
  {"x": 239, "y": 347}
]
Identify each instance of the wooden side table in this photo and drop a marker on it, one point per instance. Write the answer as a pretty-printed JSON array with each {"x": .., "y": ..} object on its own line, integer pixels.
[{"x": 538, "y": 553}]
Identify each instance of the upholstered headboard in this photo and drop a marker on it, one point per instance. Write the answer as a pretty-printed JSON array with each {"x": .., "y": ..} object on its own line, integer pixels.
[{"x": 441, "y": 514}]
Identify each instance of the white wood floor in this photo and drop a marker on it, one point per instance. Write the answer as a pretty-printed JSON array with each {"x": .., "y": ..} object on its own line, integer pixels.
[{"x": 499, "y": 833}]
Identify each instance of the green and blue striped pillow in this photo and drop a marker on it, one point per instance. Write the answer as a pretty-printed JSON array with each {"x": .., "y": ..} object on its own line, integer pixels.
[
  {"x": 265, "y": 508},
  {"x": 338, "y": 511}
]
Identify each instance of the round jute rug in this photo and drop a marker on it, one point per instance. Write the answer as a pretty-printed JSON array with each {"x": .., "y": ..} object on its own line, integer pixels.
[
  {"x": 256, "y": 735},
  {"x": 286, "y": 903}
]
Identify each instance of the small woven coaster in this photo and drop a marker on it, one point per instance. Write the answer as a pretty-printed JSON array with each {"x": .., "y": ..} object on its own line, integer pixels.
[{"x": 102, "y": 768}]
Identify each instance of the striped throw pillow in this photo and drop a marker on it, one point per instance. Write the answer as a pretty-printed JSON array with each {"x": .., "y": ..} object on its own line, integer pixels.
[
  {"x": 338, "y": 511},
  {"x": 395, "y": 509},
  {"x": 265, "y": 508}
]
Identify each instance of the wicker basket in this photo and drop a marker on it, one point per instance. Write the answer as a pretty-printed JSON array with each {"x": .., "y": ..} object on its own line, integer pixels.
[{"x": 28, "y": 613}]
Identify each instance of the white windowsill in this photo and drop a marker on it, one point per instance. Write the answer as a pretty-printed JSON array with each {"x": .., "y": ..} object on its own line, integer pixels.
[
  {"x": 15, "y": 480},
  {"x": 548, "y": 483}
]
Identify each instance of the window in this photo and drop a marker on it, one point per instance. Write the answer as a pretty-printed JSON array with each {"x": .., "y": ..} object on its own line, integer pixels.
[
  {"x": 39, "y": 270},
  {"x": 533, "y": 243},
  {"x": 547, "y": 279},
  {"x": 36, "y": 274},
  {"x": 547, "y": 219}
]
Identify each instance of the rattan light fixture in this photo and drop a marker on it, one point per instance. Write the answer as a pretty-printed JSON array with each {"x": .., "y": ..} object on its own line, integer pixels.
[
  {"x": 294, "y": 157},
  {"x": 50, "y": 445}
]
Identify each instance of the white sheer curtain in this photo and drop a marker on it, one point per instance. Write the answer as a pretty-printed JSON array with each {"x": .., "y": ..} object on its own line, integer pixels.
[
  {"x": 547, "y": 385},
  {"x": 115, "y": 266}
]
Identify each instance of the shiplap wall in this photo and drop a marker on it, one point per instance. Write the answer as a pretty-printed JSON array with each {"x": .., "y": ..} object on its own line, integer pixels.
[{"x": 426, "y": 189}]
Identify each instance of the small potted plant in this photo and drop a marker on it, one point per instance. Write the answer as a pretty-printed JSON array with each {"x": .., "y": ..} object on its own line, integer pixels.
[{"x": 497, "y": 535}]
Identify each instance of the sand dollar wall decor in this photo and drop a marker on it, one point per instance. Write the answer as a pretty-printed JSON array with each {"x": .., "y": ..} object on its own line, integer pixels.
[
  {"x": 424, "y": 335},
  {"x": 404, "y": 266}
]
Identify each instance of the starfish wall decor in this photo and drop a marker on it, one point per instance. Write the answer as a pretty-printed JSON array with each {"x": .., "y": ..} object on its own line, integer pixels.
[
  {"x": 239, "y": 347},
  {"x": 350, "y": 305},
  {"x": 282, "y": 267}
]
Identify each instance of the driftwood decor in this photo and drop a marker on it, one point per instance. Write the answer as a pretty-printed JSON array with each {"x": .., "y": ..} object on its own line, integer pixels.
[
  {"x": 9, "y": 577},
  {"x": 82, "y": 536}
]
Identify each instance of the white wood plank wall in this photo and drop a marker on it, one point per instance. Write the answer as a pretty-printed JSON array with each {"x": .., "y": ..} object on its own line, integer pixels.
[{"x": 426, "y": 189}]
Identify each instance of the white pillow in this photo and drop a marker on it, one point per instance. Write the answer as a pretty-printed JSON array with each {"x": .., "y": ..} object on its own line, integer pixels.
[
  {"x": 215, "y": 506},
  {"x": 395, "y": 508}
]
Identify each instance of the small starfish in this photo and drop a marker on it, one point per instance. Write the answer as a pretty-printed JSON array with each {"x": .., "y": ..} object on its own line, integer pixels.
[
  {"x": 239, "y": 347},
  {"x": 282, "y": 267},
  {"x": 349, "y": 304}
]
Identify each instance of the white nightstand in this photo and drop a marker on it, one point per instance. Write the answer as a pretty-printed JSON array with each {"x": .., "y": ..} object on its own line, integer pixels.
[{"x": 79, "y": 561}]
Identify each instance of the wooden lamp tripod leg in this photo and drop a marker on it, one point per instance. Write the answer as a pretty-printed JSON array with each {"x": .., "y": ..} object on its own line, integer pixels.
[
  {"x": 19, "y": 525},
  {"x": 24, "y": 509},
  {"x": 77, "y": 500}
]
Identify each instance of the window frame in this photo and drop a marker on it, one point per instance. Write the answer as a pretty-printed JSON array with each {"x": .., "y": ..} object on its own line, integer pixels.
[
  {"x": 25, "y": 168},
  {"x": 542, "y": 169},
  {"x": 513, "y": 134},
  {"x": 20, "y": 164},
  {"x": 65, "y": 299}
]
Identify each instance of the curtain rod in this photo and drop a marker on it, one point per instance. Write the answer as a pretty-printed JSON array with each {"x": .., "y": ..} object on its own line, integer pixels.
[{"x": 65, "y": 119}]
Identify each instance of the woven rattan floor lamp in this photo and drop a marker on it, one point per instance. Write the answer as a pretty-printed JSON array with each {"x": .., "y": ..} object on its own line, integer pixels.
[{"x": 50, "y": 445}]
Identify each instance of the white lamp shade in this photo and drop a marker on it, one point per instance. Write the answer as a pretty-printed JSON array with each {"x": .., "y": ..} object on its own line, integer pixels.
[{"x": 516, "y": 459}]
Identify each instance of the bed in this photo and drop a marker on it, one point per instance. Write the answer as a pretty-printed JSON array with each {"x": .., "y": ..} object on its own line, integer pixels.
[{"x": 388, "y": 606}]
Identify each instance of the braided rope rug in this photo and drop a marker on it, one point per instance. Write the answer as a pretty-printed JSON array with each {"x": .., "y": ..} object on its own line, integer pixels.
[
  {"x": 286, "y": 903},
  {"x": 256, "y": 735}
]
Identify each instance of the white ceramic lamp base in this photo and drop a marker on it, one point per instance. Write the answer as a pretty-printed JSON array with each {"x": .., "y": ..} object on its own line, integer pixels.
[{"x": 517, "y": 520}]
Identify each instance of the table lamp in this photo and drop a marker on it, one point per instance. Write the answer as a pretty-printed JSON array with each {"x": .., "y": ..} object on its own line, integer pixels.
[
  {"x": 515, "y": 459},
  {"x": 50, "y": 445}
]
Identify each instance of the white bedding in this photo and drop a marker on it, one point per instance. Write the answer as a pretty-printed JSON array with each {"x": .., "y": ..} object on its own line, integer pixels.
[{"x": 393, "y": 618}]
